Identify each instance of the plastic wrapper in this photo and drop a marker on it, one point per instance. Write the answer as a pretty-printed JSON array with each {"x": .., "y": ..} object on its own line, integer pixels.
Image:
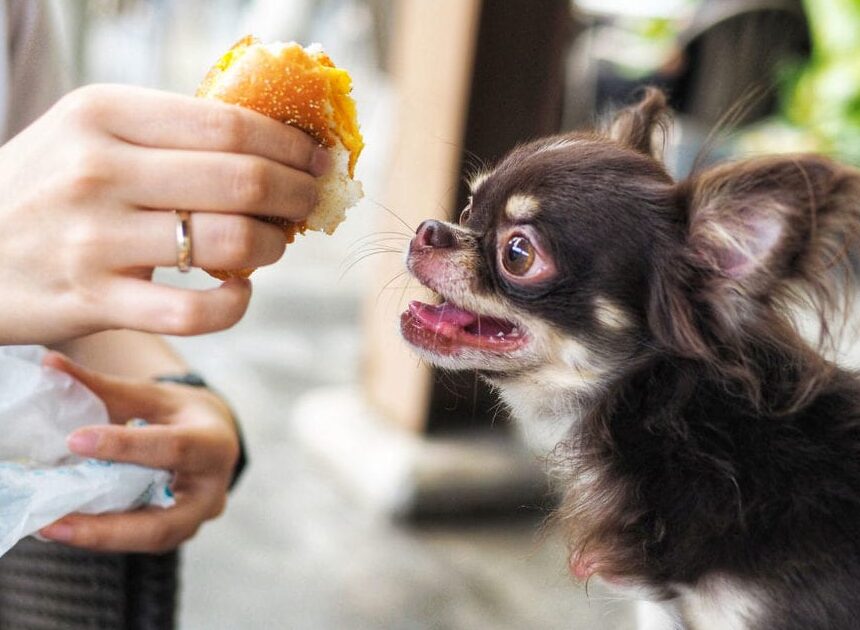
[{"x": 40, "y": 480}]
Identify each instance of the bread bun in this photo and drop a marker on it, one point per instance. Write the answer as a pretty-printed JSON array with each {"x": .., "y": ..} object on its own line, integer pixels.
[{"x": 300, "y": 87}]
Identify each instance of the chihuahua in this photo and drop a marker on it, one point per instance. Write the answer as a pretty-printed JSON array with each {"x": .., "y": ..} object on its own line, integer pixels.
[{"x": 645, "y": 330}]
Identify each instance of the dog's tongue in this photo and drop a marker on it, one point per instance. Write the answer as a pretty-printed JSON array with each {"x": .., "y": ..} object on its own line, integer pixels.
[{"x": 445, "y": 314}]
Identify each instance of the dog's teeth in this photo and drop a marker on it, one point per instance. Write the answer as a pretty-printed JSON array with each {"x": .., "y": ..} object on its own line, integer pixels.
[
  {"x": 514, "y": 333},
  {"x": 500, "y": 334}
]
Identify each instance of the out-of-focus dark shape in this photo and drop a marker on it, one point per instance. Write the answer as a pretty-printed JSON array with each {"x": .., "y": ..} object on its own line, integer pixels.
[
  {"x": 733, "y": 46},
  {"x": 709, "y": 57}
]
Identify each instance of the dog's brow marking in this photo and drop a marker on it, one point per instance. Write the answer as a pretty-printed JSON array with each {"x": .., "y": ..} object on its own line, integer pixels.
[
  {"x": 477, "y": 180},
  {"x": 521, "y": 207},
  {"x": 609, "y": 314}
]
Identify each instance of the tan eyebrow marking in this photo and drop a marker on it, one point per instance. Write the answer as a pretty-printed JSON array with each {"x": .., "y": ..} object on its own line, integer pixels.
[
  {"x": 521, "y": 207},
  {"x": 610, "y": 314},
  {"x": 477, "y": 179}
]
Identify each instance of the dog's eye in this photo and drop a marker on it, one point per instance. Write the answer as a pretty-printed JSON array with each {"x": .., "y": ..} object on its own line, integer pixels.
[
  {"x": 464, "y": 216},
  {"x": 519, "y": 255},
  {"x": 523, "y": 257}
]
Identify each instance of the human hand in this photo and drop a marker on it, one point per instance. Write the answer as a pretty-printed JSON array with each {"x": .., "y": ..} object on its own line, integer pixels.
[
  {"x": 86, "y": 200},
  {"x": 191, "y": 433}
]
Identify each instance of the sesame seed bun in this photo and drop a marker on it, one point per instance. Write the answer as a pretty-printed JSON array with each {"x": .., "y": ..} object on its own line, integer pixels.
[{"x": 300, "y": 87}]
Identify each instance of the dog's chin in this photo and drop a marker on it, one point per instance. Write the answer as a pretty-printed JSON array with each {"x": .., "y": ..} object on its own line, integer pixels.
[{"x": 452, "y": 337}]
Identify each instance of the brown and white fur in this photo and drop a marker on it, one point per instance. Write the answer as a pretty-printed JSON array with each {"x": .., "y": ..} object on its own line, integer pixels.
[{"x": 642, "y": 328}]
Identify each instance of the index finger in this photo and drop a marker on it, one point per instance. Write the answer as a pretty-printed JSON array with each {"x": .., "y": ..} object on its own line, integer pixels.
[
  {"x": 154, "y": 118},
  {"x": 156, "y": 446}
]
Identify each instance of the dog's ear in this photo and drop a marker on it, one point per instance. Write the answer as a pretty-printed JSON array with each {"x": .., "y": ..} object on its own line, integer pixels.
[
  {"x": 642, "y": 126},
  {"x": 758, "y": 233}
]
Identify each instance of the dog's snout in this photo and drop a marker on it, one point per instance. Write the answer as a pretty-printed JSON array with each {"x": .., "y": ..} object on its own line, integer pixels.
[{"x": 432, "y": 233}]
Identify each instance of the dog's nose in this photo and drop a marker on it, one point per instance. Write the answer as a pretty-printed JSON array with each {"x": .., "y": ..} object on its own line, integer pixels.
[{"x": 432, "y": 233}]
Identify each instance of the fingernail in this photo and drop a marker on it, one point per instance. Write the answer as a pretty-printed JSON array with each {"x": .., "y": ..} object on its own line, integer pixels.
[
  {"x": 58, "y": 531},
  {"x": 83, "y": 442},
  {"x": 320, "y": 162}
]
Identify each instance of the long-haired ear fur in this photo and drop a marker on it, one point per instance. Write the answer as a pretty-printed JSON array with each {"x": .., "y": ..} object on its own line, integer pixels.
[
  {"x": 771, "y": 227},
  {"x": 762, "y": 236},
  {"x": 636, "y": 126}
]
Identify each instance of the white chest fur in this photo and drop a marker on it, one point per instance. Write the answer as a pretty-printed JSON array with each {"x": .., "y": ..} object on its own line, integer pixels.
[
  {"x": 545, "y": 406},
  {"x": 717, "y": 603}
]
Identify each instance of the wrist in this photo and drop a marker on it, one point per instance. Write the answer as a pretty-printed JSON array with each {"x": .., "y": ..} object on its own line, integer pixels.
[{"x": 192, "y": 379}]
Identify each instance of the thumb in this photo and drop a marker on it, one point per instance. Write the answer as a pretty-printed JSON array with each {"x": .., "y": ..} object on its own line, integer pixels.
[{"x": 124, "y": 398}]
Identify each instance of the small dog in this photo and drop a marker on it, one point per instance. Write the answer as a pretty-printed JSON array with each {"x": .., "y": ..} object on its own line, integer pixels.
[{"x": 647, "y": 327}]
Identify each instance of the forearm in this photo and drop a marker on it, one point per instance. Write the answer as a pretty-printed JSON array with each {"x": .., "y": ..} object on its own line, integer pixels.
[{"x": 124, "y": 353}]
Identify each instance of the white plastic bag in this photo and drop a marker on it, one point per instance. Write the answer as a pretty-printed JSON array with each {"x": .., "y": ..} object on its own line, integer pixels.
[{"x": 40, "y": 480}]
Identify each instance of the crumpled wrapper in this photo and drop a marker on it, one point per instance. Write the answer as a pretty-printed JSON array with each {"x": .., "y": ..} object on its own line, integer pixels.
[{"x": 40, "y": 480}]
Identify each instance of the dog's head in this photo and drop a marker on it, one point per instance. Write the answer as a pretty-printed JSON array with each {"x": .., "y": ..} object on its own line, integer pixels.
[{"x": 578, "y": 256}]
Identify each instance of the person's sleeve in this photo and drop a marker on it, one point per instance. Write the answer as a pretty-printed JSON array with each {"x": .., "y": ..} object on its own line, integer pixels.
[{"x": 37, "y": 72}]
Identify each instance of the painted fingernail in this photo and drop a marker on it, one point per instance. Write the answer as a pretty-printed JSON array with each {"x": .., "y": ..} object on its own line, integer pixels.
[
  {"x": 320, "y": 162},
  {"x": 58, "y": 531},
  {"x": 83, "y": 442}
]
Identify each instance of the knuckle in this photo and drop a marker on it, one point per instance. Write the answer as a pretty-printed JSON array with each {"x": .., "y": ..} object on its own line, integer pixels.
[
  {"x": 85, "y": 105},
  {"x": 234, "y": 307},
  {"x": 83, "y": 235},
  {"x": 218, "y": 507},
  {"x": 307, "y": 193},
  {"x": 84, "y": 242},
  {"x": 235, "y": 240},
  {"x": 117, "y": 445},
  {"x": 298, "y": 147},
  {"x": 162, "y": 537},
  {"x": 231, "y": 455},
  {"x": 88, "y": 174},
  {"x": 252, "y": 184},
  {"x": 226, "y": 127},
  {"x": 180, "y": 447},
  {"x": 90, "y": 537},
  {"x": 187, "y": 535},
  {"x": 185, "y": 315}
]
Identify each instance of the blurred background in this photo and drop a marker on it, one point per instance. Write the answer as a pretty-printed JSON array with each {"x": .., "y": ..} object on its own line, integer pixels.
[{"x": 381, "y": 494}]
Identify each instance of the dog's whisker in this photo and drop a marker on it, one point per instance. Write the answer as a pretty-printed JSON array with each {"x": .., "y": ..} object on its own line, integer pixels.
[
  {"x": 387, "y": 242},
  {"x": 379, "y": 236},
  {"x": 393, "y": 214},
  {"x": 364, "y": 247},
  {"x": 384, "y": 243},
  {"x": 389, "y": 282},
  {"x": 348, "y": 264},
  {"x": 364, "y": 256},
  {"x": 383, "y": 233}
]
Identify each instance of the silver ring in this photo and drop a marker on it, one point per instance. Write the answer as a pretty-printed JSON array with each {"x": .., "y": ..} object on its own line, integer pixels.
[{"x": 183, "y": 240}]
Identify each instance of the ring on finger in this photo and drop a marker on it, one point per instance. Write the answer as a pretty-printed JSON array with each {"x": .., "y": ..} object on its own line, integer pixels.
[{"x": 183, "y": 240}]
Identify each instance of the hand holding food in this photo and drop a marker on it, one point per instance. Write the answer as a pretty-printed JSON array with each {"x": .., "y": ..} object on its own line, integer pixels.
[{"x": 87, "y": 200}]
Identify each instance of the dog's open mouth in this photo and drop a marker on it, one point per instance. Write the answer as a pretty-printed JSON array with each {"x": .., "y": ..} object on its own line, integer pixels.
[{"x": 447, "y": 329}]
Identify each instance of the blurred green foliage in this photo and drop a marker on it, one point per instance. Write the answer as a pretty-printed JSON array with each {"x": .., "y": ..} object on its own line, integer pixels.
[{"x": 823, "y": 96}]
